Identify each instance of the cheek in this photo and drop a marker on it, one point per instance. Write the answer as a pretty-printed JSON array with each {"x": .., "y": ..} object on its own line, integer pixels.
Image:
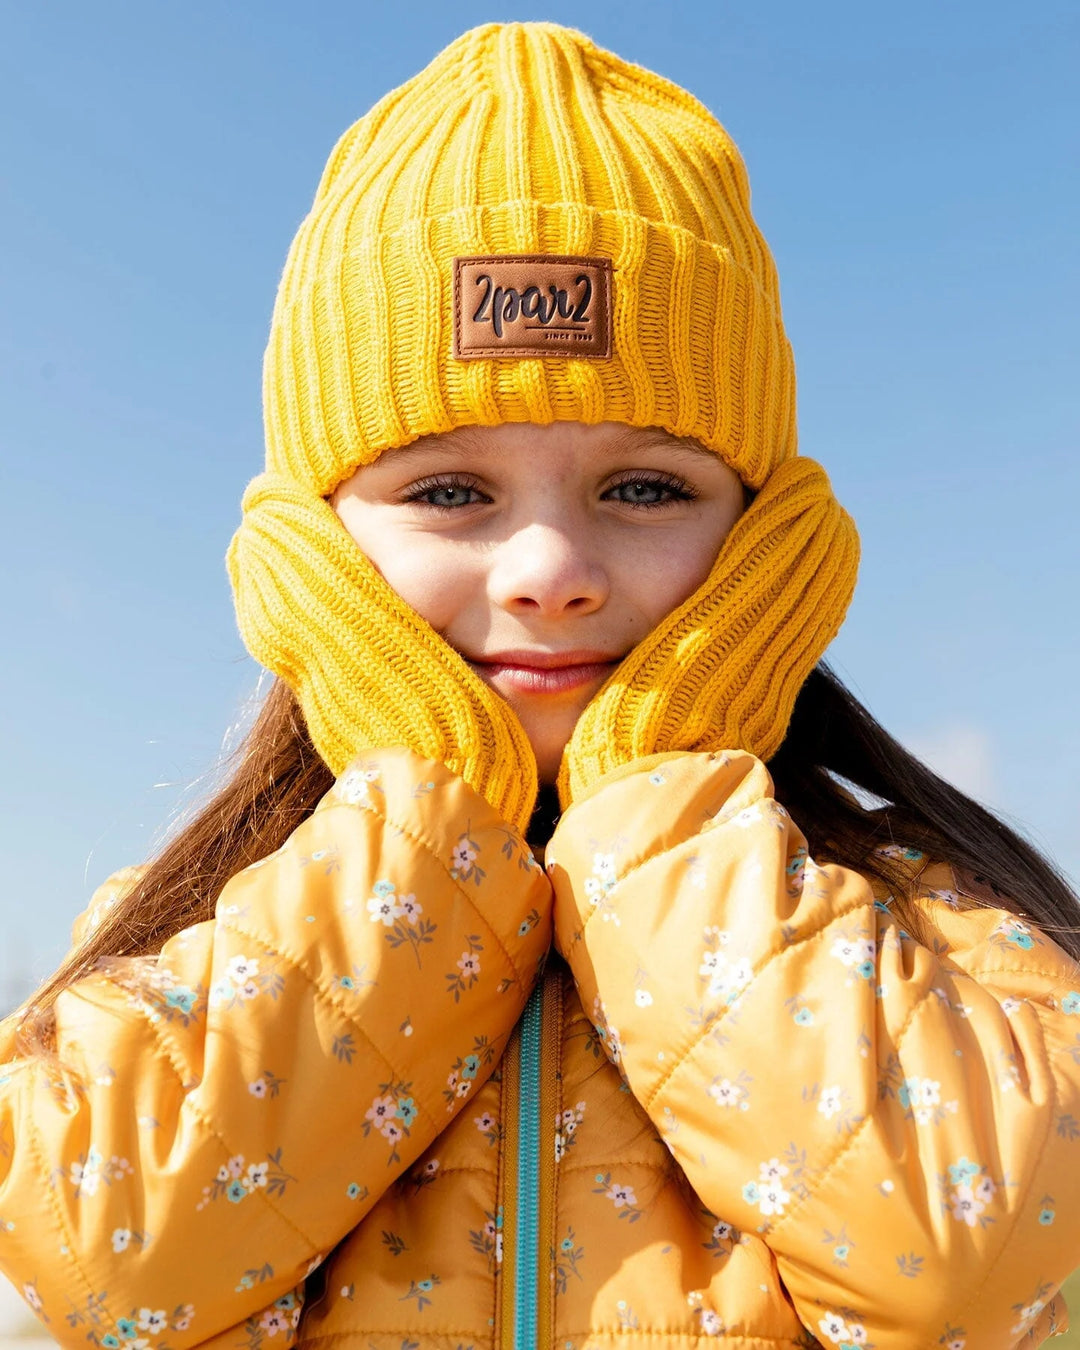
[
  {"x": 666, "y": 575},
  {"x": 432, "y": 579}
]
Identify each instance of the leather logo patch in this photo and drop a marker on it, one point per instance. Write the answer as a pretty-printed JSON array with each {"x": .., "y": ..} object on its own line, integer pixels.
[{"x": 532, "y": 304}]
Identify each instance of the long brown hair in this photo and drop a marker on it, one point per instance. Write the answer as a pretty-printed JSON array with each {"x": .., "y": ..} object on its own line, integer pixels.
[{"x": 833, "y": 743}]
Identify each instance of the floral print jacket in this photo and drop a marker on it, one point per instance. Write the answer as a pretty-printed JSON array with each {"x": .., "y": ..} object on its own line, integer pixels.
[{"x": 749, "y": 1109}]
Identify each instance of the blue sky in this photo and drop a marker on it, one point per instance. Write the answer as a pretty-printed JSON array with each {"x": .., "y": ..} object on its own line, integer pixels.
[{"x": 914, "y": 171}]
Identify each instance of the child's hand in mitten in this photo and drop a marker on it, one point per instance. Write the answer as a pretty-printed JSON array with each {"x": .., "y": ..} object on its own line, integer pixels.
[
  {"x": 367, "y": 669},
  {"x": 723, "y": 670}
]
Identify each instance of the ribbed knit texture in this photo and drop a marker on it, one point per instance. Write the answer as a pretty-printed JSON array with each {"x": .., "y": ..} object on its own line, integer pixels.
[
  {"x": 368, "y": 671},
  {"x": 723, "y": 670},
  {"x": 526, "y": 138}
]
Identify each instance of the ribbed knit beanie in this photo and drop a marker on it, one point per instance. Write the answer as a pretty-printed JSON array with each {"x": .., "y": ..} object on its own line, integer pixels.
[{"x": 530, "y": 229}]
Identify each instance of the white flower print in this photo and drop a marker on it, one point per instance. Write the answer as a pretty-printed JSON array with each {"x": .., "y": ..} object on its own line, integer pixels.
[
  {"x": 773, "y": 1199},
  {"x": 830, "y": 1101},
  {"x": 409, "y": 907},
  {"x": 355, "y": 786},
  {"x": 853, "y": 951},
  {"x": 727, "y": 1093},
  {"x": 599, "y": 885},
  {"x": 152, "y": 1321},
  {"x": 922, "y": 1098},
  {"x": 86, "y": 1179},
  {"x": 727, "y": 979},
  {"x": 221, "y": 991},
  {"x": 121, "y": 1239},
  {"x": 711, "y": 1324},
  {"x": 604, "y": 868},
  {"x": 381, "y": 1111},
  {"x": 643, "y": 998},
  {"x": 273, "y": 1321},
  {"x": 833, "y": 1327},
  {"x": 768, "y": 1192},
  {"x": 566, "y": 1124},
  {"x": 463, "y": 855},
  {"x": 383, "y": 909},
  {"x": 463, "y": 859},
  {"x": 240, "y": 969},
  {"x": 1028, "y": 1314},
  {"x": 710, "y": 963},
  {"x": 965, "y": 1205},
  {"x": 32, "y": 1297},
  {"x": 621, "y": 1195},
  {"x": 256, "y": 1175},
  {"x": 608, "y": 1034}
]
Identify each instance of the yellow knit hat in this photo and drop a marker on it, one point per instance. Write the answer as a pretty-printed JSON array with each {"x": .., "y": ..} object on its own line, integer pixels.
[
  {"x": 530, "y": 229},
  {"x": 525, "y": 139}
]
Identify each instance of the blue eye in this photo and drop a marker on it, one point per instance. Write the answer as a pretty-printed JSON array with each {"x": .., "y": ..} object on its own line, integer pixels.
[
  {"x": 650, "y": 490},
  {"x": 451, "y": 496},
  {"x": 444, "y": 494}
]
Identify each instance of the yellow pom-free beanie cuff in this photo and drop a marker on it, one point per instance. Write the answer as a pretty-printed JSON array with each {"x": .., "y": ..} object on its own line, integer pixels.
[{"x": 360, "y": 357}]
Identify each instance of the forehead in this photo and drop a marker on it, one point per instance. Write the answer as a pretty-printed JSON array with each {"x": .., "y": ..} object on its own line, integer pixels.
[{"x": 603, "y": 438}]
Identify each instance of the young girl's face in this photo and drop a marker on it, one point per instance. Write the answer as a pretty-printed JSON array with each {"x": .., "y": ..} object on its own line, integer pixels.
[{"x": 543, "y": 554}]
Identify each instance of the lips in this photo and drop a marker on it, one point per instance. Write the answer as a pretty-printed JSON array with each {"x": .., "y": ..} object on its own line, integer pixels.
[
  {"x": 537, "y": 660},
  {"x": 535, "y": 672}
]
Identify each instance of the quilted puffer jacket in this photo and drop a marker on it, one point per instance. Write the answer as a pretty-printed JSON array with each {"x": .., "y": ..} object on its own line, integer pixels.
[{"x": 737, "y": 1104}]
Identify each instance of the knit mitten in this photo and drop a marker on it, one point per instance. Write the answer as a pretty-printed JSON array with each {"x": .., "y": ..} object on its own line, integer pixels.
[
  {"x": 367, "y": 669},
  {"x": 723, "y": 670}
]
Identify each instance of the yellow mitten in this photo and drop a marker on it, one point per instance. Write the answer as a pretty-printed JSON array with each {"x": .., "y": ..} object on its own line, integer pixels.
[
  {"x": 367, "y": 669},
  {"x": 723, "y": 670}
]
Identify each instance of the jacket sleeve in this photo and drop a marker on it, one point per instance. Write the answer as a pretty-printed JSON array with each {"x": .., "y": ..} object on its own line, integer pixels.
[
  {"x": 231, "y": 1109},
  {"x": 899, "y": 1120}
]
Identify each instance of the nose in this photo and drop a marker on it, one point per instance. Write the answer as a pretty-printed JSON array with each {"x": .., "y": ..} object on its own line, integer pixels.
[{"x": 549, "y": 571}]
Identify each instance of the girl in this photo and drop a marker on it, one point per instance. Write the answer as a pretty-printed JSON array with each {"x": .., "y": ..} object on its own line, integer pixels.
[{"x": 534, "y": 555}]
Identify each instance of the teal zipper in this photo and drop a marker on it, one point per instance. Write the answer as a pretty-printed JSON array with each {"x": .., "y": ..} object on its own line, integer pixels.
[{"x": 527, "y": 1257}]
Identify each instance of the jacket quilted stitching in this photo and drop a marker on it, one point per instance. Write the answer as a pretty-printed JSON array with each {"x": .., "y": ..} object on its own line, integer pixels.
[{"x": 780, "y": 1120}]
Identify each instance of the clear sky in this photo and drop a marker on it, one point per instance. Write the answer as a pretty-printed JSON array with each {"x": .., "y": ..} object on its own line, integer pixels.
[{"x": 914, "y": 169}]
